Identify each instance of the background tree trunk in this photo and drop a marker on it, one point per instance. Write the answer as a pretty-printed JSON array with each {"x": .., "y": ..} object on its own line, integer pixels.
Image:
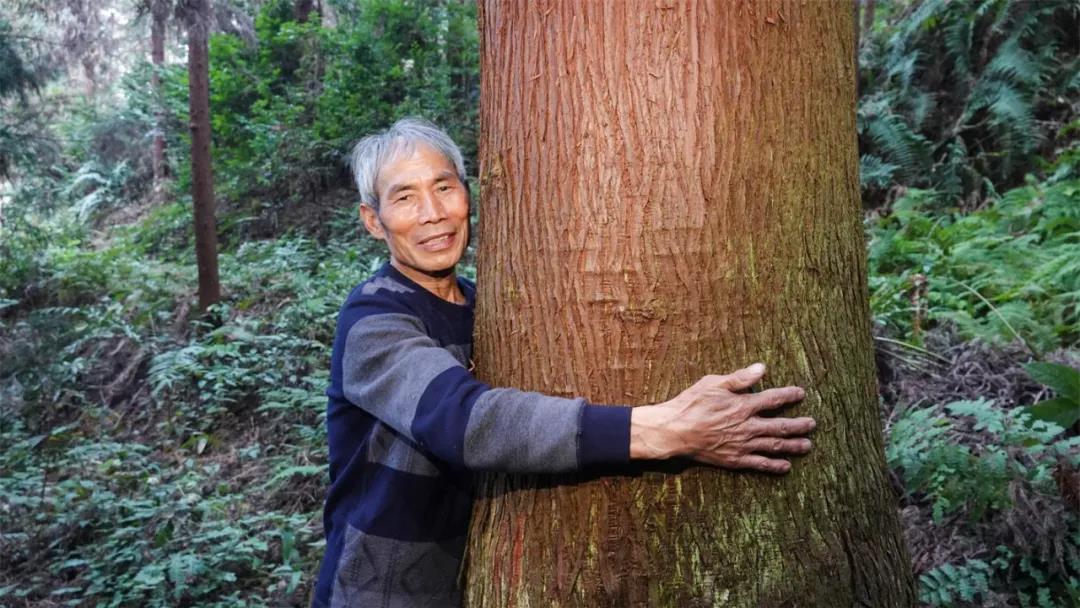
[
  {"x": 159, "y": 12},
  {"x": 868, "y": 15},
  {"x": 302, "y": 10},
  {"x": 202, "y": 179},
  {"x": 671, "y": 189}
]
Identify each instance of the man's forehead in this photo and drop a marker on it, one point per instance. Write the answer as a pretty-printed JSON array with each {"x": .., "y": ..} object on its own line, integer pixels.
[{"x": 418, "y": 162}]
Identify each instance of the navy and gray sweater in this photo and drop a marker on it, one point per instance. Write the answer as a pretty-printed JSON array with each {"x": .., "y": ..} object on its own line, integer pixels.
[{"x": 407, "y": 422}]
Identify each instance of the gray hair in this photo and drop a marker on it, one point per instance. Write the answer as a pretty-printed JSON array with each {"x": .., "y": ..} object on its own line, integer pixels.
[{"x": 376, "y": 150}]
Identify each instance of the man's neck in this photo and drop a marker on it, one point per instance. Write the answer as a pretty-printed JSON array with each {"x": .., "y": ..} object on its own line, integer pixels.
[{"x": 444, "y": 287}]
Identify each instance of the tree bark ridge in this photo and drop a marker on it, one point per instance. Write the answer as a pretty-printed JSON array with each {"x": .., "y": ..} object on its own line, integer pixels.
[{"x": 670, "y": 189}]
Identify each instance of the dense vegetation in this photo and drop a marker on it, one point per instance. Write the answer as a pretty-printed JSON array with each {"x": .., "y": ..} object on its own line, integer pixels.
[{"x": 155, "y": 456}]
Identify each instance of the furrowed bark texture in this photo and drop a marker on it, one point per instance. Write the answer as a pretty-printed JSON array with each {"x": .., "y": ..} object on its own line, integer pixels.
[
  {"x": 202, "y": 177},
  {"x": 670, "y": 189}
]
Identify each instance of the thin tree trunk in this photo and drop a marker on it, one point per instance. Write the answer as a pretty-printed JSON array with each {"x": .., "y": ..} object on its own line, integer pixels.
[
  {"x": 868, "y": 15},
  {"x": 670, "y": 189},
  {"x": 159, "y": 10},
  {"x": 202, "y": 179},
  {"x": 302, "y": 10}
]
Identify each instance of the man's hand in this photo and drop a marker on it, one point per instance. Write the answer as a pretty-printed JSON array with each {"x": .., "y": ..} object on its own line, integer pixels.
[{"x": 712, "y": 423}]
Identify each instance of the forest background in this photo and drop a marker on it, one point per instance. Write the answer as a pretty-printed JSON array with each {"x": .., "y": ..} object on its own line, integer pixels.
[{"x": 154, "y": 455}]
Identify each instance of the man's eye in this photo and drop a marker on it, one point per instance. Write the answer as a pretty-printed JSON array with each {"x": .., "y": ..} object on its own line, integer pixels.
[{"x": 444, "y": 188}]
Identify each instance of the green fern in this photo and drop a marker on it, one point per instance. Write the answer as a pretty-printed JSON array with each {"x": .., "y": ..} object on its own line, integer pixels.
[
  {"x": 899, "y": 144},
  {"x": 874, "y": 172},
  {"x": 979, "y": 80},
  {"x": 958, "y": 35},
  {"x": 947, "y": 584}
]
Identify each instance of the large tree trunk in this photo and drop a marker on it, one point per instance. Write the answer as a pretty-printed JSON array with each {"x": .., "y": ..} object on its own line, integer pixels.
[
  {"x": 159, "y": 12},
  {"x": 202, "y": 179},
  {"x": 670, "y": 189}
]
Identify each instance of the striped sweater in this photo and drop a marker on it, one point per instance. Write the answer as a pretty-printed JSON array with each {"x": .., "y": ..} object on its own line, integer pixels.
[{"x": 407, "y": 423}]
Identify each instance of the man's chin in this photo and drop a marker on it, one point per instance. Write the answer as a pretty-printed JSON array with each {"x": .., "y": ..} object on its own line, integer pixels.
[
  {"x": 434, "y": 270},
  {"x": 441, "y": 274},
  {"x": 439, "y": 271}
]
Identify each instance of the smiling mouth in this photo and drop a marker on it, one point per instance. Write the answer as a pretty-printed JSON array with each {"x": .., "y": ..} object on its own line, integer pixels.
[{"x": 438, "y": 241}]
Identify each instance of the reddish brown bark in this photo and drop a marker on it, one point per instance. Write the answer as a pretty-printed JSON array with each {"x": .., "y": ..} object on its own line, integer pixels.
[
  {"x": 202, "y": 179},
  {"x": 670, "y": 189}
]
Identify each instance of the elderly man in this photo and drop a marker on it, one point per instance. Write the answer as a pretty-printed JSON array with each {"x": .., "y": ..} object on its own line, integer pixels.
[{"x": 407, "y": 422}]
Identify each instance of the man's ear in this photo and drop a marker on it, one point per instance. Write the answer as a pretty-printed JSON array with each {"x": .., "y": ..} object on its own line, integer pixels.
[{"x": 371, "y": 221}]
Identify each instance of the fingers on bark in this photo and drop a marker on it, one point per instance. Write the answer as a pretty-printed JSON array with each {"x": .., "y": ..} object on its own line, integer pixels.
[
  {"x": 764, "y": 464},
  {"x": 778, "y": 445},
  {"x": 774, "y": 397},
  {"x": 783, "y": 427},
  {"x": 743, "y": 378}
]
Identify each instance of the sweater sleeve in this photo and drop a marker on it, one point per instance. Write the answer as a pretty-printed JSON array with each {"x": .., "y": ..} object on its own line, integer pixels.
[{"x": 393, "y": 370}]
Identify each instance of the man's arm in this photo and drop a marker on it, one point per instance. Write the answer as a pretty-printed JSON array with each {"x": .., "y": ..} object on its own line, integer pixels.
[
  {"x": 400, "y": 375},
  {"x": 396, "y": 372}
]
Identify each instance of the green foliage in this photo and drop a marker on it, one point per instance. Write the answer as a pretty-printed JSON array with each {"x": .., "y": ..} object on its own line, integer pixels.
[
  {"x": 960, "y": 97},
  {"x": 201, "y": 517},
  {"x": 16, "y": 77},
  {"x": 1010, "y": 270},
  {"x": 946, "y": 584},
  {"x": 288, "y": 108},
  {"x": 973, "y": 480},
  {"x": 969, "y": 460},
  {"x": 226, "y": 367},
  {"x": 128, "y": 527},
  {"x": 1063, "y": 410}
]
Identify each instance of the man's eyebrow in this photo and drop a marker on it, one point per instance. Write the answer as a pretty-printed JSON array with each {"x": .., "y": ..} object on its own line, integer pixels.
[
  {"x": 442, "y": 176},
  {"x": 398, "y": 187}
]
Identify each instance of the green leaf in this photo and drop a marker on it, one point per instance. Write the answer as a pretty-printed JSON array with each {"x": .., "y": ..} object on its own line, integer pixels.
[
  {"x": 1060, "y": 411},
  {"x": 1063, "y": 379}
]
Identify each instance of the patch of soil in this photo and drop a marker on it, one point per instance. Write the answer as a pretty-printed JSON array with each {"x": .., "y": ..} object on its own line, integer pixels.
[{"x": 950, "y": 369}]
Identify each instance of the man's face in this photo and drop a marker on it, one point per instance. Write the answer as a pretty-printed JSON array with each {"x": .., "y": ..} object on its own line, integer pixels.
[{"x": 423, "y": 213}]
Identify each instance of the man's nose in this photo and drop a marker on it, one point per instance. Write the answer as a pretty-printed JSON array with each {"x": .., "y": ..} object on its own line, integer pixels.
[{"x": 432, "y": 209}]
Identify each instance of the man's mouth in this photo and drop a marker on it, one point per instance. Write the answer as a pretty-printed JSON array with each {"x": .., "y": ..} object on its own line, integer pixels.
[{"x": 438, "y": 242}]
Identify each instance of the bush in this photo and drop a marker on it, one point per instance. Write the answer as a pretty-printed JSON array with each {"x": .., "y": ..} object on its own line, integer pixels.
[
  {"x": 991, "y": 478},
  {"x": 963, "y": 97},
  {"x": 288, "y": 108},
  {"x": 1008, "y": 271}
]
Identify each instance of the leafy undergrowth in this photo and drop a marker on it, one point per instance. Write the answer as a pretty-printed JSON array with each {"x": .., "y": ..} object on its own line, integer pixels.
[
  {"x": 155, "y": 460},
  {"x": 1009, "y": 271},
  {"x": 990, "y": 497},
  {"x": 964, "y": 304}
]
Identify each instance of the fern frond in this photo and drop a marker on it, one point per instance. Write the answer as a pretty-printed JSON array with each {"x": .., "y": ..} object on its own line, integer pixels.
[
  {"x": 1009, "y": 109},
  {"x": 874, "y": 172},
  {"x": 946, "y": 584},
  {"x": 925, "y": 17},
  {"x": 958, "y": 46},
  {"x": 1012, "y": 63},
  {"x": 1074, "y": 82},
  {"x": 899, "y": 144}
]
